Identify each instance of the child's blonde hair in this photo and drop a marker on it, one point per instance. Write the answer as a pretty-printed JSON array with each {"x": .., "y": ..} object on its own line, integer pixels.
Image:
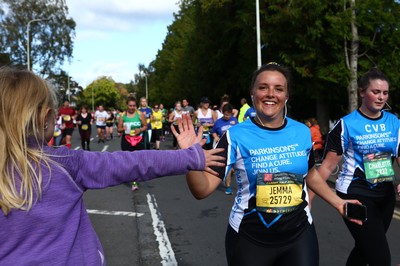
[{"x": 25, "y": 100}]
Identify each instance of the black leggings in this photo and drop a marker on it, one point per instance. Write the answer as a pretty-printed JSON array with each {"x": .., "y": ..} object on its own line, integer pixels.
[
  {"x": 85, "y": 134},
  {"x": 371, "y": 246},
  {"x": 174, "y": 140},
  {"x": 301, "y": 252}
]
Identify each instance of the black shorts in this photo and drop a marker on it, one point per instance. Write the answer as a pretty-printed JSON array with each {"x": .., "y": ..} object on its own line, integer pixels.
[
  {"x": 301, "y": 252},
  {"x": 102, "y": 127},
  {"x": 155, "y": 136},
  {"x": 371, "y": 245},
  {"x": 68, "y": 131}
]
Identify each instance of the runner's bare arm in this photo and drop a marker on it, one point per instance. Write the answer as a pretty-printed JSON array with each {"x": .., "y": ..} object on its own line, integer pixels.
[
  {"x": 202, "y": 184},
  {"x": 326, "y": 168},
  {"x": 321, "y": 188}
]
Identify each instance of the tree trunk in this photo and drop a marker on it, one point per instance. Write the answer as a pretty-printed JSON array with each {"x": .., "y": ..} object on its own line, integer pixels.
[
  {"x": 323, "y": 114},
  {"x": 353, "y": 62}
]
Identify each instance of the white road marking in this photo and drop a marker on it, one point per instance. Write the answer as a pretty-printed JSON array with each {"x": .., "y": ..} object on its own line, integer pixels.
[
  {"x": 115, "y": 213},
  {"x": 396, "y": 215},
  {"x": 104, "y": 148},
  {"x": 164, "y": 245}
]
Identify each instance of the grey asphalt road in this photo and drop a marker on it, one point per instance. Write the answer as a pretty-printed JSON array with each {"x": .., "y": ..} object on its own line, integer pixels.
[{"x": 162, "y": 224}]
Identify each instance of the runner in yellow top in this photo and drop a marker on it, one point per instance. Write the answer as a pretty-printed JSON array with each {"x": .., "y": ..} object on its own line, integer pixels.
[{"x": 156, "y": 126}]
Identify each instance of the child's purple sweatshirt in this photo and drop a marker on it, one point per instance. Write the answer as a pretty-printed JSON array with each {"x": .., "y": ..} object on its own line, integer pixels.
[{"x": 57, "y": 229}]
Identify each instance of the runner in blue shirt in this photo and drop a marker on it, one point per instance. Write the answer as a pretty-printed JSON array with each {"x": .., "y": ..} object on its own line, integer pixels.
[
  {"x": 249, "y": 113},
  {"x": 270, "y": 222},
  {"x": 368, "y": 142},
  {"x": 220, "y": 127},
  {"x": 144, "y": 108}
]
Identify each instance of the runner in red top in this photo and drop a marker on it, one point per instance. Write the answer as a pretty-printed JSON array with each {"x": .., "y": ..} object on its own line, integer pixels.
[{"x": 68, "y": 115}]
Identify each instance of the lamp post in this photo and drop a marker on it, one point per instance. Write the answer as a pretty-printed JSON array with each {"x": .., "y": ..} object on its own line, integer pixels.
[
  {"x": 147, "y": 91},
  {"x": 92, "y": 98},
  {"x": 258, "y": 33},
  {"x": 68, "y": 89},
  {"x": 28, "y": 59},
  {"x": 69, "y": 82}
]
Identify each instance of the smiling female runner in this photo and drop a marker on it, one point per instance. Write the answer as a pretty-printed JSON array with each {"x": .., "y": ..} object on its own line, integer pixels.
[{"x": 270, "y": 221}]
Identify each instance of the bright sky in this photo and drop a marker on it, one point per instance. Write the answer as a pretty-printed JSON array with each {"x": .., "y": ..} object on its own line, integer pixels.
[{"x": 114, "y": 36}]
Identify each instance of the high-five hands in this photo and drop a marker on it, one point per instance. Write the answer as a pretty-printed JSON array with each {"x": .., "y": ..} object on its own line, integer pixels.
[{"x": 188, "y": 137}]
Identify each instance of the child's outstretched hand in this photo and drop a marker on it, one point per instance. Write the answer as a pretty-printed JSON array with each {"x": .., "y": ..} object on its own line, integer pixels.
[{"x": 187, "y": 136}]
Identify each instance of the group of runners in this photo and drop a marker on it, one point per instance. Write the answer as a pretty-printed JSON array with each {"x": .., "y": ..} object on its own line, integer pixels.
[{"x": 269, "y": 155}]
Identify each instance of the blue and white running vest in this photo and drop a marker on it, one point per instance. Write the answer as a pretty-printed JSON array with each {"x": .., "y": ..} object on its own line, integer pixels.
[{"x": 272, "y": 163}]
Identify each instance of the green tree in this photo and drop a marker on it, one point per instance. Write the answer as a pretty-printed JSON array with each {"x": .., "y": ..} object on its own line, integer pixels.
[
  {"x": 169, "y": 80},
  {"x": 61, "y": 84},
  {"x": 102, "y": 91},
  {"x": 331, "y": 45},
  {"x": 210, "y": 49},
  {"x": 313, "y": 51},
  {"x": 51, "y": 40},
  {"x": 123, "y": 93},
  {"x": 4, "y": 59},
  {"x": 207, "y": 52}
]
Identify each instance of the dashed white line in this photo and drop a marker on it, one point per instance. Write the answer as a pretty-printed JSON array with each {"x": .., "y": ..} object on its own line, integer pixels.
[
  {"x": 164, "y": 245},
  {"x": 104, "y": 148},
  {"x": 115, "y": 213},
  {"x": 396, "y": 215}
]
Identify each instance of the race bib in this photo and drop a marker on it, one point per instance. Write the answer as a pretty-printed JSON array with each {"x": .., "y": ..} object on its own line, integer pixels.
[
  {"x": 101, "y": 119},
  {"x": 57, "y": 132},
  {"x": 85, "y": 127},
  {"x": 67, "y": 118},
  {"x": 378, "y": 167},
  {"x": 278, "y": 192},
  {"x": 130, "y": 128},
  {"x": 205, "y": 128}
]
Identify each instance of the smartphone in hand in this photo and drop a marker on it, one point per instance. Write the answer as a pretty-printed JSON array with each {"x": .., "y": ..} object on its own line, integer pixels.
[{"x": 356, "y": 211}]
